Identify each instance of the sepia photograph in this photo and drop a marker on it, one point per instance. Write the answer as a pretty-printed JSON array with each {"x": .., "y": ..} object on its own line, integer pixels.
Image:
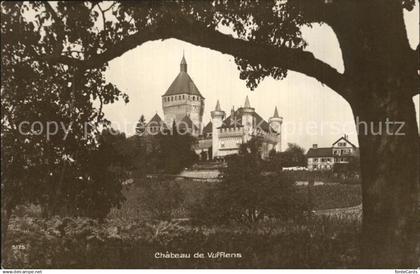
[{"x": 210, "y": 134}]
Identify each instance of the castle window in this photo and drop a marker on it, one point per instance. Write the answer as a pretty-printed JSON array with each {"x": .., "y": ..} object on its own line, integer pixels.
[{"x": 183, "y": 96}]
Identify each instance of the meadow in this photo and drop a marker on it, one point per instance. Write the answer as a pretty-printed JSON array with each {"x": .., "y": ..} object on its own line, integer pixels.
[
  {"x": 327, "y": 196},
  {"x": 132, "y": 236}
]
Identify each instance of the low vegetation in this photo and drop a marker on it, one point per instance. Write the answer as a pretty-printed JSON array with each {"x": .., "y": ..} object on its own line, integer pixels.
[{"x": 321, "y": 242}]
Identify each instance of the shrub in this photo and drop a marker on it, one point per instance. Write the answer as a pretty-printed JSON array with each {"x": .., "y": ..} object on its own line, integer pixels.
[
  {"x": 246, "y": 195},
  {"x": 85, "y": 243}
]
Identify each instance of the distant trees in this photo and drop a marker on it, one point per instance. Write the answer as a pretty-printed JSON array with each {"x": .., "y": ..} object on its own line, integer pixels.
[
  {"x": 246, "y": 195},
  {"x": 174, "y": 151},
  {"x": 166, "y": 152},
  {"x": 293, "y": 156},
  {"x": 140, "y": 126}
]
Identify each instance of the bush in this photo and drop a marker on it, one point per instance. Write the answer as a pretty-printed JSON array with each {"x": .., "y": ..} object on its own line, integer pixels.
[
  {"x": 84, "y": 243},
  {"x": 151, "y": 199},
  {"x": 161, "y": 198},
  {"x": 246, "y": 195}
]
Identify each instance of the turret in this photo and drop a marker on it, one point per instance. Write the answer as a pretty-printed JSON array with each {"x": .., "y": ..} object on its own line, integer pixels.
[
  {"x": 247, "y": 120},
  {"x": 183, "y": 65},
  {"x": 217, "y": 116},
  {"x": 275, "y": 128}
]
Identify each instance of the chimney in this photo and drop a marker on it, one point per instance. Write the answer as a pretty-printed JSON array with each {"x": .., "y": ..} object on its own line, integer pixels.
[{"x": 314, "y": 146}]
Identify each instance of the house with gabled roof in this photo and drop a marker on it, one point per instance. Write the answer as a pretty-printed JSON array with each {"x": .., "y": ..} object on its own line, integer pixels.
[{"x": 324, "y": 158}]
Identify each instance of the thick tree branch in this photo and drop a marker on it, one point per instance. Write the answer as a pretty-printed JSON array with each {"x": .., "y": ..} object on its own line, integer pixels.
[
  {"x": 292, "y": 59},
  {"x": 57, "y": 20}
]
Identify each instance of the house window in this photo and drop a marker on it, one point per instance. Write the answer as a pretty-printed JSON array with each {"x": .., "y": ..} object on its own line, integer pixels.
[{"x": 222, "y": 144}]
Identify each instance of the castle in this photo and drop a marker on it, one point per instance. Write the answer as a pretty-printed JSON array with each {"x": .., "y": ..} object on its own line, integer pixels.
[{"x": 183, "y": 106}]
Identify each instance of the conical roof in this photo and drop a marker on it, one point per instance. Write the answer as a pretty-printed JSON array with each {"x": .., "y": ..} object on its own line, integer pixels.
[
  {"x": 247, "y": 104},
  {"x": 183, "y": 84},
  {"x": 218, "y": 106},
  {"x": 276, "y": 113}
]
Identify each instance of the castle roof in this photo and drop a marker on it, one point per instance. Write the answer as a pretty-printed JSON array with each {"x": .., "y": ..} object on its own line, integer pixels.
[
  {"x": 156, "y": 119},
  {"x": 218, "y": 106},
  {"x": 276, "y": 113},
  {"x": 187, "y": 123},
  {"x": 208, "y": 128},
  {"x": 183, "y": 84},
  {"x": 236, "y": 120},
  {"x": 247, "y": 104},
  {"x": 320, "y": 152}
]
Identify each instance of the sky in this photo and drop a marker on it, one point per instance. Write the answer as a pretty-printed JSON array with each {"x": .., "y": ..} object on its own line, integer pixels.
[{"x": 312, "y": 112}]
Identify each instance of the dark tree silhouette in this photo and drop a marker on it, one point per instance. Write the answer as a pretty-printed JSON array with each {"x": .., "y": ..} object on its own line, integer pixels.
[
  {"x": 379, "y": 79},
  {"x": 294, "y": 155},
  {"x": 175, "y": 151},
  {"x": 140, "y": 127},
  {"x": 246, "y": 195}
]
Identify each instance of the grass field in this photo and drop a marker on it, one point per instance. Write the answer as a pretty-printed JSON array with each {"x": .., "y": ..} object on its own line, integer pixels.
[
  {"x": 129, "y": 238},
  {"x": 322, "y": 197}
]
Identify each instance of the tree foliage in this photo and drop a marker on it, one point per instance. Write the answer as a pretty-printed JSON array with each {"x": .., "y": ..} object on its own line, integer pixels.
[
  {"x": 38, "y": 167},
  {"x": 174, "y": 152},
  {"x": 247, "y": 196},
  {"x": 140, "y": 126}
]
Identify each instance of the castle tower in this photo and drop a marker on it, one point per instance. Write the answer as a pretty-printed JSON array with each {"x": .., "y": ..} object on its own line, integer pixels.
[
  {"x": 247, "y": 120},
  {"x": 217, "y": 116},
  {"x": 275, "y": 128},
  {"x": 183, "y": 99}
]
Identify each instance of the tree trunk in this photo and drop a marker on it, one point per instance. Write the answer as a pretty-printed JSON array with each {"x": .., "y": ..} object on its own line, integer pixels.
[
  {"x": 390, "y": 175},
  {"x": 6, "y": 212},
  {"x": 380, "y": 72}
]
